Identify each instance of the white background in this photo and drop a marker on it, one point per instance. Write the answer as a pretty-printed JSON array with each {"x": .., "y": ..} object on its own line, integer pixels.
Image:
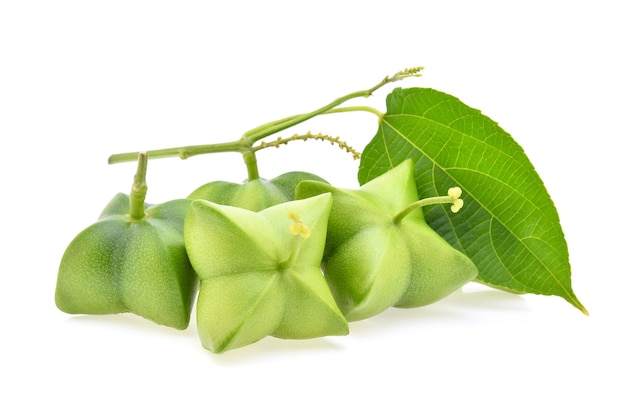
[{"x": 80, "y": 80}]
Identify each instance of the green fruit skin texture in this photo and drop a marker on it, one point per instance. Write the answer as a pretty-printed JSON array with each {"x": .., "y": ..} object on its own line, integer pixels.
[
  {"x": 119, "y": 265},
  {"x": 257, "y": 279},
  {"x": 372, "y": 262},
  {"x": 254, "y": 195}
]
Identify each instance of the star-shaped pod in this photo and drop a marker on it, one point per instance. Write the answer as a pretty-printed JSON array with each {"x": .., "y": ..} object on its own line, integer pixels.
[
  {"x": 380, "y": 252},
  {"x": 256, "y": 194},
  {"x": 132, "y": 259},
  {"x": 260, "y": 272}
]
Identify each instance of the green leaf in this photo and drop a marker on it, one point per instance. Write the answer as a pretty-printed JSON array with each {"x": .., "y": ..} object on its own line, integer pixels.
[{"x": 509, "y": 226}]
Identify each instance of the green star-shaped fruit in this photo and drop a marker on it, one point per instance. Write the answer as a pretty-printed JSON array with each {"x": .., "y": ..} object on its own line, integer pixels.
[
  {"x": 260, "y": 272},
  {"x": 380, "y": 252},
  {"x": 256, "y": 194},
  {"x": 132, "y": 259}
]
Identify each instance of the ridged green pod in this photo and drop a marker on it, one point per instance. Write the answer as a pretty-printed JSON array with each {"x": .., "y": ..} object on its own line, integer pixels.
[
  {"x": 133, "y": 259},
  {"x": 260, "y": 272},
  {"x": 254, "y": 195},
  {"x": 373, "y": 260}
]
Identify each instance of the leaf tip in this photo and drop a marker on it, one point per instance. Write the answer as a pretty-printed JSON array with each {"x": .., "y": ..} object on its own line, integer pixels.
[
  {"x": 578, "y": 305},
  {"x": 583, "y": 310}
]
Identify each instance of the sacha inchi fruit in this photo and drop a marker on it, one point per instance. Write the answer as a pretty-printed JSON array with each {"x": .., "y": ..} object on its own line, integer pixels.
[
  {"x": 255, "y": 194},
  {"x": 380, "y": 252},
  {"x": 133, "y": 259},
  {"x": 260, "y": 272}
]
